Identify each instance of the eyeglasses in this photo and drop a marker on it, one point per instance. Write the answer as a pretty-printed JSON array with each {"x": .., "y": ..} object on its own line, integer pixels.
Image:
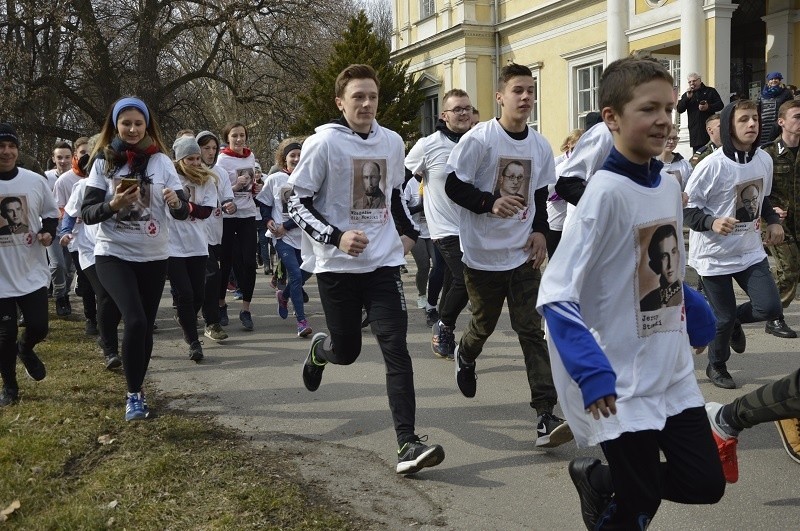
[
  {"x": 459, "y": 110},
  {"x": 672, "y": 139}
]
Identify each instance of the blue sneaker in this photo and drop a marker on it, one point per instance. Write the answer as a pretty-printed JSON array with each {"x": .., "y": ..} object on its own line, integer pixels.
[
  {"x": 283, "y": 305},
  {"x": 246, "y": 319},
  {"x": 237, "y": 295},
  {"x": 134, "y": 409}
]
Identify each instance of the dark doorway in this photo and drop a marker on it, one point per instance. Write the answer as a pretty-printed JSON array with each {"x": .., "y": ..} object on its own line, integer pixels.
[{"x": 748, "y": 39}]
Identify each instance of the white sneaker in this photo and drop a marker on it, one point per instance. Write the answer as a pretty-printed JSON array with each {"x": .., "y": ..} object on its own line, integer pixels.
[{"x": 422, "y": 301}]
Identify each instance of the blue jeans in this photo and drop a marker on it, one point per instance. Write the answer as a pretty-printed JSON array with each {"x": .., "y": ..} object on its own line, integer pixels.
[
  {"x": 764, "y": 304},
  {"x": 290, "y": 258}
]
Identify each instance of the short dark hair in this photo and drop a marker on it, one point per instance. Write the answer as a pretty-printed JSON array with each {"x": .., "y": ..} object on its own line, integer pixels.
[
  {"x": 454, "y": 93},
  {"x": 62, "y": 144},
  {"x": 791, "y": 104},
  {"x": 653, "y": 252},
  {"x": 10, "y": 199},
  {"x": 715, "y": 116},
  {"x": 354, "y": 72},
  {"x": 621, "y": 77},
  {"x": 512, "y": 70},
  {"x": 227, "y": 130}
]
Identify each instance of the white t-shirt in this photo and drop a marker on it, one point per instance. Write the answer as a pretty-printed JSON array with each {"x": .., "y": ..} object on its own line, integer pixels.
[
  {"x": 681, "y": 169},
  {"x": 63, "y": 188},
  {"x": 489, "y": 242},
  {"x": 721, "y": 187},
  {"x": 557, "y": 208},
  {"x": 83, "y": 236},
  {"x": 224, "y": 194},
  {"x": 188, "y": 237},
  {"x": 332, "y": 170},
  {"x": 52, "y": 177},
  {"x": 234, "y": 167},
  {"x": 603, "y": 264},
  {"x": 588, "y": 156},
  {"x": 428, "y": 158},
  {"x": 275, "y": 195},
  {"x": 412, "y": 199},
  {"x": 23, "y": 261},
  {"x": 138, "y": 233}
]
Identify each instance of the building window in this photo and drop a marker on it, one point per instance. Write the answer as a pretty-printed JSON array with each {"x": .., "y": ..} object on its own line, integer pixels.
[
  {"x": 673, "y": 66},
  {"x": 427, "y": 8},
  {"x": 587, "y": 80},
  {"x": 655, "y": 3},
  {"x": 533, "y": 121},
  {"x": 429, "y": 114}
]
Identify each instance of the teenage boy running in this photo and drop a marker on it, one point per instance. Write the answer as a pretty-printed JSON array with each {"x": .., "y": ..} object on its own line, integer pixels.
[
  {"x": 625, "y": 374},
  {"x": 428, "y": 158},
  {"x": 728, "y": 193},
  {"x": 356, "y": 253},
  {"x": 499, "y": 173}
]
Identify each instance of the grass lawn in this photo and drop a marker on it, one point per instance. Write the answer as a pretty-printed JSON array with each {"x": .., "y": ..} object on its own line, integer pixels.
[{"x": 70, "y": 461}]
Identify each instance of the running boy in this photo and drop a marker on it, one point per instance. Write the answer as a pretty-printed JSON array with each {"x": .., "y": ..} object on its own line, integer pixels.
[
  {"x": 356, "y": 252},
  {"x": 728, "y": 194},
  {"x": 499, "y": 173},
  {"x": 625, "y": 374}
]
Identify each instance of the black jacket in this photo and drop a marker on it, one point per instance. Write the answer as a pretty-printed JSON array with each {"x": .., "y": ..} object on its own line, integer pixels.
[{"x": 697, "y": 118}]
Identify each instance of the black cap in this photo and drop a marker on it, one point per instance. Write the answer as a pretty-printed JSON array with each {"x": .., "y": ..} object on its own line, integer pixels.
[{"x": 8, "y": 133}]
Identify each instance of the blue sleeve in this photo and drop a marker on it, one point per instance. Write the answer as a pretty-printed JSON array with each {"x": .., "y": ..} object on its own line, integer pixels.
[
  {"x": 582, "y": 357},
  {"x": 701, "y": 325},
  {"x": 67, "y": 224},
  {"x": 289, "y": 224}
]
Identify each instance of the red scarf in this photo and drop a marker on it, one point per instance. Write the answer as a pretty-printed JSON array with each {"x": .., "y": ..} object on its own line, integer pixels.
[
  {"x": 231, "y": 153},
  {"x": 77, "y": 168}
]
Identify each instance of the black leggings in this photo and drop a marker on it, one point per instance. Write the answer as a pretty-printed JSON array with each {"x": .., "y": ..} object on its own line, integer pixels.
[
  {"x": 136, "y": 288},
  {"x": 210, "y": 297},
  {"x": 187, "y": 280},
  {"x": 85, "y": 290},
  {"x": 108, "y": 315},
  {"x": 239, "y": 243},
  {"x": 34, "y": 308}
]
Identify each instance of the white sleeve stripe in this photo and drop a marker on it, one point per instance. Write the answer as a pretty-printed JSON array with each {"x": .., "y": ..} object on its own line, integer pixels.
[{"x": 569, "y": 311}]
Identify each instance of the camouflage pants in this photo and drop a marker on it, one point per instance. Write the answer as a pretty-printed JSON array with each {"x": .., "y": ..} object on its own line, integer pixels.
[
  {"x": 775, "y": 401},
  {"x": 487, "y": 291},
  {"x": 787, "y": 269}
]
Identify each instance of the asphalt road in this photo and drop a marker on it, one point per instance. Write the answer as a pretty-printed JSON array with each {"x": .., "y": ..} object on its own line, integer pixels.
[{"x": 493, "y": 477}]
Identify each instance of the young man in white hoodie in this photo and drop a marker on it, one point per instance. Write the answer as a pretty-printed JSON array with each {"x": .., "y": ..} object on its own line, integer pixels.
[{"x": 356, "y": 252}]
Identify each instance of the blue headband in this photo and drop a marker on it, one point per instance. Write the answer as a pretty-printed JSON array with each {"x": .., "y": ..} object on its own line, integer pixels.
[{"x": 127, "y": 103}]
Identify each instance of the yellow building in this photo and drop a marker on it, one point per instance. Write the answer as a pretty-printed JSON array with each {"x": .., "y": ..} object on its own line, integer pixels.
[{"x": 566, "y": 43}]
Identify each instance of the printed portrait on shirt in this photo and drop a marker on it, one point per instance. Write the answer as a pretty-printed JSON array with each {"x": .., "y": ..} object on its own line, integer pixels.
[
  {"x": 368, "y": 198},
  {"x": 514, "y": 179},
  {"x": 139, "y": 210},
  {"x": 13, "y": 219},
  {"x": 748, "y": 204},
  {"x": 659, "y": 286},
  {"x": 249, "y": 175},
  {"x": 285, "y": 194}
]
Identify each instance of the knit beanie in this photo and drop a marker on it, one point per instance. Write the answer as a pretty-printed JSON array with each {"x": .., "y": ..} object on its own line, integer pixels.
[
  {"x": 185, "y": 146},
  {"x": 8, "y": 133},
  {"x": 130, "y": 103}
]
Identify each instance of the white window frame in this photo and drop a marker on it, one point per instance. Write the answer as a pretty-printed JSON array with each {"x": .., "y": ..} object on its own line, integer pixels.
[
  {"x": 576, "y": 60},
  {"x": 536, "y": 113},
  {"x": 427, "y": 8},
  {"x": 428, "y": 121},
  {"x": 673, "y": 65}
]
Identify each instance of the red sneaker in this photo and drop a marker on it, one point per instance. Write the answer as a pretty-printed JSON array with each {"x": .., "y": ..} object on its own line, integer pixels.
[{"x": 726, "y": 444}]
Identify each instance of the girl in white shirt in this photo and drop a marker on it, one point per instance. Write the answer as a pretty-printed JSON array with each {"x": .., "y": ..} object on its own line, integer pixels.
[
  {"x": 189, "y": 240},
  {"x": 131, "y": 193}
]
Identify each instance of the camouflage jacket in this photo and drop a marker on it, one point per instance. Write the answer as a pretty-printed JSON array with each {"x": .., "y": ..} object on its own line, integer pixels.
[
  {"x": 702, "y": 153},
  {"x": 785, "y": 185}
]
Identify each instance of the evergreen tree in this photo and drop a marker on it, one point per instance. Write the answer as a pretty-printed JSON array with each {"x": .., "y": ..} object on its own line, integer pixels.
[{"x": 400, "y": 95}]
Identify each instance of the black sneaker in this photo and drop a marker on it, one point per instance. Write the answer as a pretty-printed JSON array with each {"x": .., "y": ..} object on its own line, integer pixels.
[
  {"x": 91, "y": 328},
  {"x": 305, "y": 297},
  {"x": 223, "y": 315},
  {"x": 247, "y": 320},
  {"x": 431, "y": 317},
  {"x": 8, "y": 396},
  {"x": 312, "y": 371},
  {"x": 738, "y": 339},
  {"x": 196, "y": 351},
  {"x": 465, "y": 376},
  {"x": 413, "y": 456},
  {"x": 720, "y": 376},
  {"x": 61, "y": 307},
  {"x": 593, "y": 503},
  {"x": 552, "y": 431},
  {"x": 113, "y": 361},
  {"x": 779, "y": 328},
  {"x": 443, "y": 342},
  {"x": 33, "y": 365}
]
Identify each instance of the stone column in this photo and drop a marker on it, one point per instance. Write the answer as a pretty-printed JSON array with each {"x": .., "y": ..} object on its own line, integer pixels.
[
  {"x": 616, "y": 26},
  {"x": 721, "y": 11},
  {"x": 693, "y": 42},
  {"x": 779, "y": 53},
  {"x": 469, "y": 75}
]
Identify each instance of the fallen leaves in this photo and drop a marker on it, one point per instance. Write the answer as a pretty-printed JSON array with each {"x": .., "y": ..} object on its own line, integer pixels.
[{"x": 8, "y": 511}]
